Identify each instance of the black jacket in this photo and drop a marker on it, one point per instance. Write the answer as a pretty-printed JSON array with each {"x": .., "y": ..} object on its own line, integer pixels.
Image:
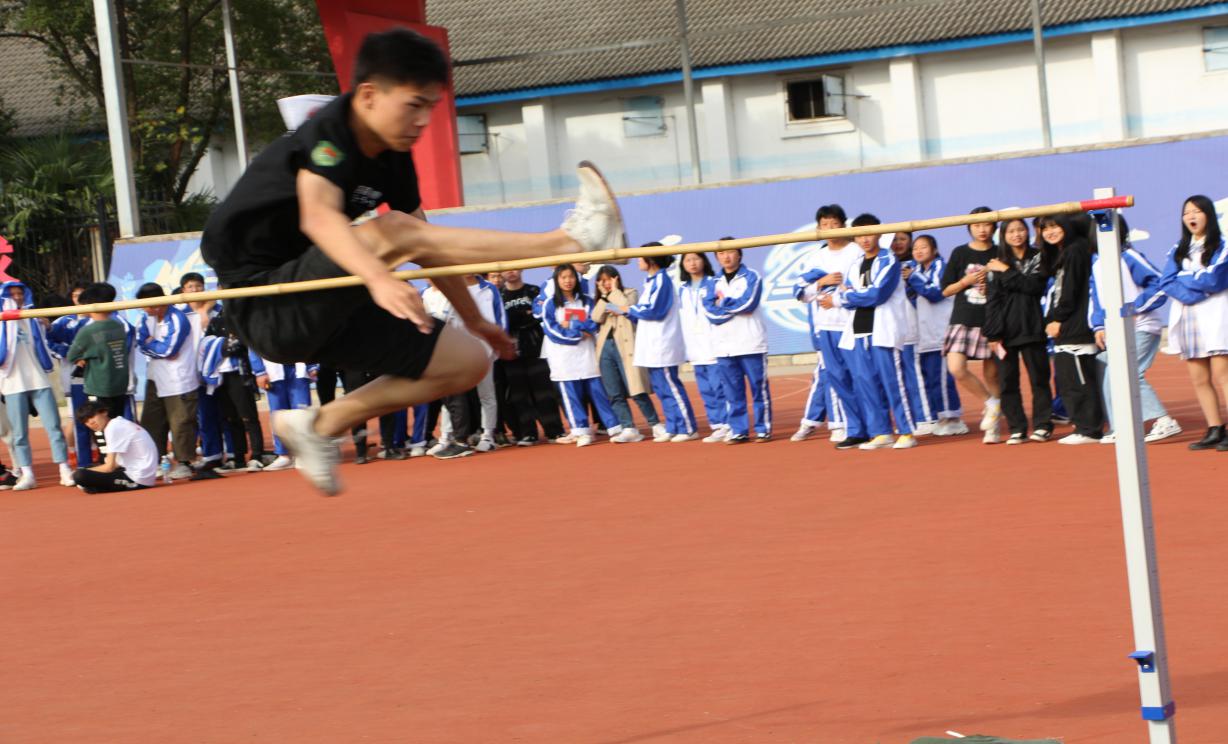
[
  {"x": 1013, "y": 313},
  {"x": 1070, "y": 294}
]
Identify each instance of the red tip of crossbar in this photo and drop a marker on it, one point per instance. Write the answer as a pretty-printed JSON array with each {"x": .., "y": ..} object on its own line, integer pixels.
[
  {"x": 1116, "y": 202},
  {"x": 10, "y": 315}
]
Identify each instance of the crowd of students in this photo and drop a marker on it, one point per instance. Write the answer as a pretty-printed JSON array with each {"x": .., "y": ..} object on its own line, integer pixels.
[{"x": 898, "y": 332}]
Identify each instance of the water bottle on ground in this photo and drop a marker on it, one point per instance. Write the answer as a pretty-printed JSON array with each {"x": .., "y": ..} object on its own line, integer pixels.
[{"x": 165, "y": 469}]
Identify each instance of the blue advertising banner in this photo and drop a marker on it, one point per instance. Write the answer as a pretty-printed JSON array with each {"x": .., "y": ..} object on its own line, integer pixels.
[{"x": 1160, "y": 176}]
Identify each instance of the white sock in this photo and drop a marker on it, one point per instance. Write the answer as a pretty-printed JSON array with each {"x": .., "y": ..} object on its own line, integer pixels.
[{"x": 993, "y": 402}]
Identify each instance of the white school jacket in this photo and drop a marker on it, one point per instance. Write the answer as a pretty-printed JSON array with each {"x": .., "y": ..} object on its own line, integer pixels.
[
  {"x": 696, "y": 328},
  {"x": 844, "y": 261},
  {"x": 884, "y": 292},
  {"x": 571, "y": 354},
  {"x": 732, "y": 306},
  {"x": 933, "y": 310},
  {"x": 658, "y": 333},
  {"x": 171, "y": 349}
]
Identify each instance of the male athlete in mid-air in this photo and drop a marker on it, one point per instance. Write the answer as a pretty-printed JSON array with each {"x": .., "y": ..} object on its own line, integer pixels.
[{"x": 289, "y": 219}]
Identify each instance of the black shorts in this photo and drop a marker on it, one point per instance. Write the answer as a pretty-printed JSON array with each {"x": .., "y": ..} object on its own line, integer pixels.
[{"x": 340, "y": 328}]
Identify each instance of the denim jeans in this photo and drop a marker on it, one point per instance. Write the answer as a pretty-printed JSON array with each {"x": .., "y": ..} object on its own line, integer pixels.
[
  {"x": 43, "y": 401},
  {"x": 614, "y": 380},
  {"x": 1145, "y": 345}
]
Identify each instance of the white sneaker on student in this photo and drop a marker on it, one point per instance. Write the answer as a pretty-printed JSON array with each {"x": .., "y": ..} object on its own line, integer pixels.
[
  {"x": 659, "y": 434},
  {"x": 595, "y": 222},
  {"x": 1163, "y": 428},
  {"x": 628, "y": 434},
  {"x": 584, "y": 440},
  {"x": 315, "y": 455},
  {"x": 925, "y": 428},
  {"x": 1077, "y": 438},
  {"x": 992, "y": 435},
  {"x": 905, "y": 441},
  {"x": 993, "y": 412},
  {"x": 569, "y": 438},
  {"x": 838, "y": 434},
  {"x": 882, "y": 441},
  {"x": 181, "y": 472},
  {"x": 684, "y": 437},
  {"x": 417, "y": 450},
  {"x": 952, "y": 428},
  {"x": 283, "y": 462},
  {"x": 802, "y": 434},
  {"x": 719, "y": 433},
  {"x": 486, "y": 444},
  {"x": 255, "y": 466},
  {"x": 437, "y": 447},
  {"x": 66, "y": 479},
  {"x": 25, "y": 482},
  {"x": 1110, "y": 438}
]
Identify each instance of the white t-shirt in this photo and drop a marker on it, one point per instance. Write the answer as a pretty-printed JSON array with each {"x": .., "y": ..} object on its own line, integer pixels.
[
  {"x": 24, "y": 371},
  {"x": 134, "y": 450}
]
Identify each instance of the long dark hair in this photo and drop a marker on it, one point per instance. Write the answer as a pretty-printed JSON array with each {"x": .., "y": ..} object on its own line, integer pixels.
[
  {"x": 558, "y": 291},
  {"x": 1051, "y": 255},
  {"x": 1211, "y": 241},
  {"x": 610, "y": 271},
  {"x": 1005, "y": 253},
  {"x": 684, "y": 277}
]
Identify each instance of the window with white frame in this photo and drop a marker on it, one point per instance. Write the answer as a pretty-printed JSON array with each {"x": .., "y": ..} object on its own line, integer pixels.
[
  {"x": 814, "y": 99},
  {"x": 1215, "y": 48}
]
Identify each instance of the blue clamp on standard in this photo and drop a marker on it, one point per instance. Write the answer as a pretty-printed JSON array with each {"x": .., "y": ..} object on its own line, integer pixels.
[
  {"x": 1146, "y": 661},
  {"x": 1103, "y": 219},
  {"x": 1159, "y": 714}
]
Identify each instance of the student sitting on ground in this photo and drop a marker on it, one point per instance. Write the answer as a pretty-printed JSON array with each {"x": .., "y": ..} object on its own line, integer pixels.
[{"x": 129, "y": 456}]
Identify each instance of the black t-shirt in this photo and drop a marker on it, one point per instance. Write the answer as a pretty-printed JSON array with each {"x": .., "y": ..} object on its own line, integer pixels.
[
  {"x": 256, "y": 228},
  {"x": 863, "y": 317},
  {"x": 521, "y": 325},
  {"x": 969, "y": 307}
]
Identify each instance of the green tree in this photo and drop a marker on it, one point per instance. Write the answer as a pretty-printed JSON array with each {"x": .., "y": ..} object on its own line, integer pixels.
[{"x": 176, "y": 112}]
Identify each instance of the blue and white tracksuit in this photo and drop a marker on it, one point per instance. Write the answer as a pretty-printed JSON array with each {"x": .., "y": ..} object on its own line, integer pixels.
[
  {"x": 418, "y": 436},
  {"x": 1140, "y": 283},
  {"x": 572, "y": 355},
  {"x": 15, "y": 336},
  {"x": 882, "y": 359},
  {"x": 832, "y": 392},
  {"x": 740, "y": 342},
  {"x": 289, "y": 387},
  {"x": 208, "y": 409},
  {"x": 697, "y": 340},
  {"x": 1198, "y": 288},
  {"x": 939, "y": 396},
  {"x": 660, "y": 348},
  {"x": 59, "y": 338}
]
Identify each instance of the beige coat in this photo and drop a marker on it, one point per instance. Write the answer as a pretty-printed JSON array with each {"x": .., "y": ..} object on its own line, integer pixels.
[{"x": 624, "y": 336}]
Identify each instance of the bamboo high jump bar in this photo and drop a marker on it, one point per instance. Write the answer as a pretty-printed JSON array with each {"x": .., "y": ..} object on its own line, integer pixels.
[{"x": 588, "y": 256}]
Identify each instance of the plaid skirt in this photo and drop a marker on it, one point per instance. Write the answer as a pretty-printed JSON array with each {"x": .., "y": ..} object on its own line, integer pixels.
[{"x": 966, "y": 340}]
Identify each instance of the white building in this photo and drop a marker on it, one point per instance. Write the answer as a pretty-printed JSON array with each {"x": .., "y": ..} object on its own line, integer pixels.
[{"x": 787, "y": 88}]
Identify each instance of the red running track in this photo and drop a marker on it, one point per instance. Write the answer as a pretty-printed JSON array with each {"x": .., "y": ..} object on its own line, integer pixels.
[{"x": 687, "y": 593}]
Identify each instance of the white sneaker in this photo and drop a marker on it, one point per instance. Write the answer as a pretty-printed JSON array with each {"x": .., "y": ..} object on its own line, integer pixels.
[
  {"x": 417, "y": 451},
  {"x": 838, "y": 435},
  {"x": 584, "y": 440},
  {"x": 181, "y": 472},
  {"x": 486, "y": 444},
  {"x": 906, "y": 441},
  {"x": 659, "y": 434},
  {"x": 718, "y": 434},
  {"x": 1163, "y": 428},
  {"x": 992, "y": 436},
  {"x": 989, "y": 418},
  {"x": 437, "y": 447},
  {"x": 951, "y": 428},
  {"x": 314, "y": 455},
  {"x": 25, "y": 482},
  {"x": 66, "y": 479},
  {"x": 882, "y": 441},
  {"x": 595, "y": 222},
  {"x": 684, "y": 437},
  {"x": 802, "y": 434},
  {"x": 628, "y": 434},
  {"x": 1110, "y": 438},
  {"x": 565, "y": 439},
  {"x": 925, "y": 428},
  {"x": 283, "y": 462},
  {"x": 1077, "y": 439}
]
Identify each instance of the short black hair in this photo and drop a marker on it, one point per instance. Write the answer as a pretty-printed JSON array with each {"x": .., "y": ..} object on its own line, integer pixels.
[
  {"x": 191, "y": 276},
  {"x": 862, "y": 220},
  {"x": 400, "y": 56},
  {"x": 831, "y": 210},
  {"x": 982, "y": 210},
  {"x": 150, "y": 289},
  {"x": 91, "y": 408},
  {"x": 97, "y": 292}
]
